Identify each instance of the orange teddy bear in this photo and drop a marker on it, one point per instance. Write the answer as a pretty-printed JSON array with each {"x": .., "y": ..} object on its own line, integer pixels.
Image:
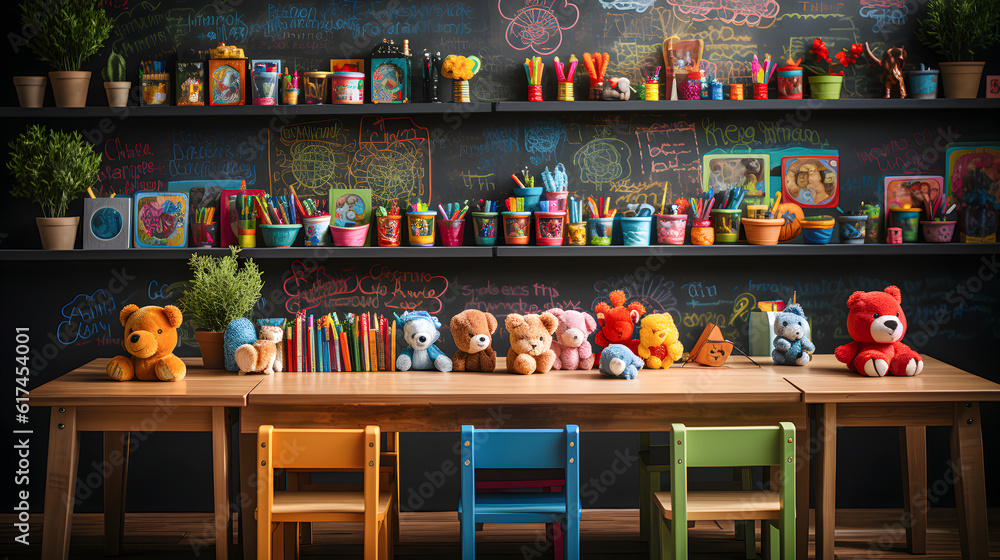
[
  {"x": 150, "y": 339},
  {"x": 617, "y": 322}
]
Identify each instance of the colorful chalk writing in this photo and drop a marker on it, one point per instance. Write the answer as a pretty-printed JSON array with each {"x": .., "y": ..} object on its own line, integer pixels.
[
  {"x": 140, "y": 30},
  {"x": 216, "y": 155},
  {"x": 491, "y": 146},
  {"x": 381, "y": 287},
  {"x": 752, "y": 13},
  {"x": 537, "y": 24},
  {"x": 885, "y": 13},
  {"x": 652, "y": 290},
  {"x": 665, "y": 148},
  {"x": 128, "y": 167},
  {"x": 393, "y": 159},
  {"x": 89, "y": 316},
  {"x": 502, "y": 299},
  {"x": 542, "y": 139}
]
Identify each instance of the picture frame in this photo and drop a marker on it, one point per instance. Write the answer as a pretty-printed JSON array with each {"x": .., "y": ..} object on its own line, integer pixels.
[
  {"x": 722, "y": 171},
  {"x": 975, "y": 166},
  {"x": 190, "y": 84},
  {"x": 347, "y": 65},
  {"x": 107, "y": 223},
  {"x": 681, "y": 56},
  {"x": 993, "y": 86},
  {"x": 161, "y": 219},
  {"x": 811, "y": 181},
  {"x": 227, "y": 81},
  {"x": 350, "y": 207},
  {"x": 227, "y": 221},
  {"x": 896, "y": 189},
  {"x": 389, "y": 81}
]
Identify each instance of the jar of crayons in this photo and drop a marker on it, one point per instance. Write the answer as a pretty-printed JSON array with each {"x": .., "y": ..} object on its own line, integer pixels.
[
  {"x": 516, "y": 227},
  {"x": 702, "y": 233},
  {"x": 727, "y": 224},
  {"x": 486, "y": 228}
]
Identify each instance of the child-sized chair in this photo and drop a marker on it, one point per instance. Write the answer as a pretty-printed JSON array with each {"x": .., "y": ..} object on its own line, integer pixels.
[
  {"x": 729, "y": 447},
  {"x": 521, "y": 449},
  {"x": 323, "y": 450}
]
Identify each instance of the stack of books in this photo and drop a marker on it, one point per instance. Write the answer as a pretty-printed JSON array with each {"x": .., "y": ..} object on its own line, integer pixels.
[{"x": 365, "y": 342}]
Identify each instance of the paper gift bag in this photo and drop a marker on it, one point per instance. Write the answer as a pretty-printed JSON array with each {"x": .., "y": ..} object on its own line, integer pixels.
[{"x": 762, "y": 332}]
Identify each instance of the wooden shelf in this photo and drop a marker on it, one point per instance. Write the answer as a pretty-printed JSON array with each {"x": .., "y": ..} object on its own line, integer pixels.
[
  {"x": 746, "y": 105},
  {"x": 258, "y": 253},
  {"x": 248, "y": 110}
]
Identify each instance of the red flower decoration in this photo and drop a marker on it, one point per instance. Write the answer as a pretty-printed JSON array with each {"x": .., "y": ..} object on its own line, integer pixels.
[
  {"x": 857, "y": 49},
  {"x": 819, "y": 49}
]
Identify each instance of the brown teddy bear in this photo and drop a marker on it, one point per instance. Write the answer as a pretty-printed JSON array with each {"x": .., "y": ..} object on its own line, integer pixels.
[
  {"x": 266, "y": 355},
  {"x": 471, "y": 330},
  {"x": 150, "y": 339},
  {"x": 530, "y": 342}
]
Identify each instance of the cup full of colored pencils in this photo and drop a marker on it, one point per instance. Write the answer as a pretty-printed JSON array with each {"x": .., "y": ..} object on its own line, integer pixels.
[
  {"x": 600, "y": 226},
  {"x": 484, "y": 219},
  {"x": 387, "y": 224},
  {"x": 533, "y": 67},
  {"x": 205, "y": 231},
  {"x": 564, "y": 75}
]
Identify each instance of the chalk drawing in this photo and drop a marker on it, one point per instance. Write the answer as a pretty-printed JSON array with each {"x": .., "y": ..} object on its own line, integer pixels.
[
  {"x": 536, "y": 24},
  {"x": 542, "y": 138},
  {"x": 891, "y": 12},
  {"x": 603, "y": 160},
  {"x": 752, "y": 13},
  {"x": 393, "y": 159},
  {"x": 651, "y": 290},
  {"x": 637, "y": 5}
]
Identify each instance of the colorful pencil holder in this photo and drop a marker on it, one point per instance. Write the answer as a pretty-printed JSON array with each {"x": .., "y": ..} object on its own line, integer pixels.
[
  {"x": 421, "y": 228},
  {"x": 760, "y": 91},
  {"x": 716, "y": 88},
  {"x": 600, "y": 230},
  {"x": 789, "y": 82},
  {"x": 596, "y": 90},
  {"x": 565, "y": 91},
  {"x": 290, "y": 96},
  {"x": 702, "y": 233},
  {"x": 636, "y": 231},
  {"x": 265, "y": 87},
  {"x": 736, "y": 92},
  {"x": 652, "y": 91},
  {"x": 460, "y": 93},
  {"x": 817, "y": 230},
  {"x": 689, "y": 89},
  {"x": 531, "y": 196},
  {"x": 246, "y": 233},
  {"x": 894, "y": 236},
  {"x": 549, "y": 228},
  {"x": 534, "y": 92},
  {"x": 937, "y": 232},
  {"x": 906, "y": 219},
  {"x": 316, "y": 86},
  {"x": 576, "y": 233},
  {"x": 388, "y": 230},
  {"x": 452, "y": 232},
  {"x": 516, "y": 228},
  {"x": 317, "y": 231},
  {"x": 852, "y": 229},
  {"x": 921, "y": 84},
  {"x": 347, "y": 88},
  {"x": 205, "y": 235},
  {"x": 559, "y": 197},
  {"x": 727, "y": 224},
  {"x": 486, "y": 228},
  {"x": 279, "y": 235},
  {"x": 353, "y": 236},
  {"x": 670, "y": 228}
]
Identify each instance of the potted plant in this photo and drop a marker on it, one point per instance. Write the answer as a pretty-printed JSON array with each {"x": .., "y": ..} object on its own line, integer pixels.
[
  {"x": 68, "y": 33},
  {"x": 50, "y": 168},
  {"x": 827, "y": 83},
  {"x": 220, "y": 293},
  {"x": 958, "y": 30},
  {"x": 30, "y": 91},
  {"x": 115, "y": 84}
]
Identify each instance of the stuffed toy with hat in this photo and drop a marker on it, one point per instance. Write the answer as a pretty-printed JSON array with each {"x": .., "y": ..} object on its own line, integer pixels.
[
  {"x": 420, "y": 332},
  {"x": 150, "y": 339},
  {"x": 877, "y": 324}
]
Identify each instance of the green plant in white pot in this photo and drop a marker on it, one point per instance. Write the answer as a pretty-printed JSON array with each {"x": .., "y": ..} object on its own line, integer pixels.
[
  {"x": 51, "y": 168},
  {"x": 958, "y": 31},
  {"x": 68, "y": 32},
  {"x": 115, "y": 84}
]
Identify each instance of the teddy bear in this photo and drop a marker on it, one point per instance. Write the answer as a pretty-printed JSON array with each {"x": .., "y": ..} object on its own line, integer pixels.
[
  {"x": 617, "y": 322},
  {"x": 792, "y": 346},
  {"x": 570, "y": 344},
  {"x": 617, "y": 360},
  {"x": 472, "y": 330},
  {"x": 150, "y": 339},
  {"x": 616, "y": 89},
  {"x": 877, "y": 324},
  {"x": 530, "y": 342},
  {"x": 659, "y": 341},
  {"x": 266, "y": 355},
  {"x": 420, "y": 332}
]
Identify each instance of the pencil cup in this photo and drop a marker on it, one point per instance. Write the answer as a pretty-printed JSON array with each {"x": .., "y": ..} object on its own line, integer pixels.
[
  {"x": 727, "y": 224},
  {"x": 279, "y": 235},
  {"x": 421, "y": 228},
  {"x": 635, "y": 230},
  {"x": 534, "y": 93},
  {"x": 760, "y": 91},
  {"x": 317, "y": 231},
  {"x": 565, "y": 91},
  {"x": 516, "y": 227},
  {"x": 549, "y": 228},
  {"x": 702, "y": 233},
  {"x": 205, "y": 235},
  {"x": 531, "y": 197},
  {"x": 316, "y": 85},
  {"x": 873, "y": 230},
  {"x": 452, "y": 232},
  {"x": 937, "y": 232},
  {"x": 559, "y": 197},
  {"x": 670, "y": 228},
  {"x": 353, "y": 236},
  {"x": 651, "y": 91},
  {"x": 265, "y": 88},
  {"x": 388, "y": 230},
  {"x": 906, "y": 219},
  {"x": 600, "y": 230},
  {"x": 246, "y": 233},
  {"x": 577, "y": 233},
  {"x": 486, "y": 228},
  {"x": 291, "y": 96},
  {"x": 596, "y": 89},
  {"x": 736, "y": 92},
  {"x": 852, "y": 229}
]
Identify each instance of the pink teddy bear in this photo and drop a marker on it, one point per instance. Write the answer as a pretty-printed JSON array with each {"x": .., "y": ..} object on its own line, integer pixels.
[{"x": 570, "y": 343}]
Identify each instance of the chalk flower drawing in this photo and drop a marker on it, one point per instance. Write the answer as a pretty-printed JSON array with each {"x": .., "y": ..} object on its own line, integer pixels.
[
  {"x": 625, "y": 5},
  {"x": 737, "y": 12},
  {"x": 891, "y": 12},
  {"x": 537, "y": 26}
]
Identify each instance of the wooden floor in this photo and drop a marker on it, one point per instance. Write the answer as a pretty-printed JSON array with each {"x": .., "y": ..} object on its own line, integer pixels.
[{"x": 607, "y": 534}]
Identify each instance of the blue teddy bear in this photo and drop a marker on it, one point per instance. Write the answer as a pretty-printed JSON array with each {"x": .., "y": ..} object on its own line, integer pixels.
[
  {"x": 420, "y": 332},
  {"x": 618, "y": 361},
  {"x": 792, "y": 346}
]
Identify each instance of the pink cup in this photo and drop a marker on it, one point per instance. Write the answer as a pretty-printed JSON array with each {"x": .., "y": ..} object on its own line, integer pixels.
[
  {"x": 452, "y": 232},
  {"x": 670, "y": 228},
  {"x": 560, "y": 198}
]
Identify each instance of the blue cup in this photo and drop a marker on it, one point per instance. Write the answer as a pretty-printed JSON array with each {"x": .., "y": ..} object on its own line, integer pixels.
[
  {"x": 636, "y": 231},
  {"x": 531, "y": 197},
  {"x": 922, "y": 84}
]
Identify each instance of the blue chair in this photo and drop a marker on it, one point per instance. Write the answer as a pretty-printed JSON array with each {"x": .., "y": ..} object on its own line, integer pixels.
[{"x": 520, "y": 449}]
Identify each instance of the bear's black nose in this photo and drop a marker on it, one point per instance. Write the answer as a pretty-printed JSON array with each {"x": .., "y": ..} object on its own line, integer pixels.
[
  {"x": 891, "y": 325},
  {"x": 134, "y": 338}
]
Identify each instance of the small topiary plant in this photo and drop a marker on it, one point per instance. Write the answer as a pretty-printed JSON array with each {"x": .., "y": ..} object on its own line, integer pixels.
[
  {"x": 221, "y": 291},
  {"x": 114, "y": 70},
  {"x": 52, "y": 167}
]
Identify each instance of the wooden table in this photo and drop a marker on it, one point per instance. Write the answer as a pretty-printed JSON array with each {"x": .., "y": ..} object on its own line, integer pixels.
[
  {"x": 442, "y": 402},
  {"x": 86, "y": 400},
  {"x": 941, "y": 395}
]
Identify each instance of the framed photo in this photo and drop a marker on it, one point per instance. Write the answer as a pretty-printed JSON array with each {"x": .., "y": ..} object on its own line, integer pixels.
[
  {"x": 725, "y": 171},
  {"x": 227, "y": 81},
  {"x": 681, "y": 56},
  {"x": 900, "y": 190},
  {"x": 190, "y": 83},
  {"x": 228, "y": 216},
  {"x": 811, "y": 181},
  {"x": 347, "y": 65},
  {"x": 107, "y": 223},
  {"x": 973, "y": 168},
  {"x": 350, "y": 207},
  {"x": 161, "y": 219}
]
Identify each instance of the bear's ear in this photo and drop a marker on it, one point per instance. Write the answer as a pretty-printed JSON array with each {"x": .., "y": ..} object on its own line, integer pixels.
[
  {"x": 549, "y": 321},
  {"x": 602, "y": 308},
  {"x": 556, "y": 311},
  {"x": 855, "y": 297},
  {"x": 174, "y": 315},
  {"x": 127, "y": 311},
  {"x": 795, "y": 309},
  {"x": 617, "y": 298},
  {"x": 513, "y": 321},
  {"x": 895, "y": 293},
  {"x": 491, "y": 322},
  {"x": 460, "y": 322},
  {"x": 589, "y": 321},
  {"x": 636, "y": 306}
]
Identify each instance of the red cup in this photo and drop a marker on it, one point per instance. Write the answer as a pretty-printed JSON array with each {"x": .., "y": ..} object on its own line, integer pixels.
[
  {"x": 760, "y": 91},
  {"x": 534, "y": 93},
  {"x": 452, "y": 232}
]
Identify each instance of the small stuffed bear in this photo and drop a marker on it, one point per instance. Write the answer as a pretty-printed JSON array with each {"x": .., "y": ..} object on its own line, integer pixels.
[
  {"x": 570, "y": 342},
  {"x": 877, "y": 324},
  {"x": 792, "y": 346},
  {"x": 659, "y": 341},
  {"x": 420, "y": 332},
  {"x": 266, "y": 355},
  {"x": 617, "y": 322},
  {"x": 150, "y": 339},
  {"x": 616, "y": 89},
  {"x": 618, "y": 361},
  {"x": 471, "y": 330},
  {"x": 530, "y": 343}
]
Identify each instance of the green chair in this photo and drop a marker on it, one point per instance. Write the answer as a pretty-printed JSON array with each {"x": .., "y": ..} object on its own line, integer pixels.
[{"x": 728, "y": 447}]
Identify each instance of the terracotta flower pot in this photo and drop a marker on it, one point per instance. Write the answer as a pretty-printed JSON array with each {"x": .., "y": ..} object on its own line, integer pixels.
[
  {"x": 117, "y": 93},
  {"x": 825, "y": 87},
  {"x": 762, "y": 231},
  {"x": 70, "y": 88},
  {"x": 58, "y": 233},
  {"x": 30, "y": 90},
  {"x": 961, "y": 79},
  {"x": 211, "y": 343}
]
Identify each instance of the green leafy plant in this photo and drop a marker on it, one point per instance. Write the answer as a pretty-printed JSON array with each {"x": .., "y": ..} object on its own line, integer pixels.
[
  {"x": 221, "y": 291},
  {"x": 959, "y": 29},
  {"x": 68, "y": 31},
  {"x": 114, "y": 70},
  {"x": 51, "y": 167}
]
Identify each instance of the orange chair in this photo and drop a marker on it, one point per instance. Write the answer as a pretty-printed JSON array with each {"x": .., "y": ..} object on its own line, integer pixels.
[{"x": 323, "y": 450}]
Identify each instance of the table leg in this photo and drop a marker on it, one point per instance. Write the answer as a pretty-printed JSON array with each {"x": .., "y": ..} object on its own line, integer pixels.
[
  {"x": 801, "y": 494},
  {"x": 913, "y": 449},
  {"x": 248, "y": 494},
  {"x": 970, "y": 481},
  {"x": 220, "y": 472},
  {"x": 60, "y": 483},
  {"x": 116, "y": 466},
  {"x": 826, "y": 474}
]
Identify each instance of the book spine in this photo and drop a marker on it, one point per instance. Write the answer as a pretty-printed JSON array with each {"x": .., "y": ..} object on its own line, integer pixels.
[{"x": 300, "y": 361}]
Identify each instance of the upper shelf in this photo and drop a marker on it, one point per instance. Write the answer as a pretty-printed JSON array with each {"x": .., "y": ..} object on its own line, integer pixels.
[
  {"x": 248, "y": 110},
  {"x": 258, "y": 253},
  {"x": 746, "y": 105}
]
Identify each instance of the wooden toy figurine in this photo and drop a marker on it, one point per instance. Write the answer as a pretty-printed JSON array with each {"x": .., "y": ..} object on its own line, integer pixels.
[{"x": 892, "y": 64}]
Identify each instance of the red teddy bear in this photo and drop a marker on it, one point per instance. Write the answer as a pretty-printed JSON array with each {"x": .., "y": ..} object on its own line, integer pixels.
[
  {"x": 617, "y": 322},
  {"x": 876, "y": 323}
]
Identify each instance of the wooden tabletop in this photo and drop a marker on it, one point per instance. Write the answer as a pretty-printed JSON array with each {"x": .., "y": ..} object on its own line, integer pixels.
[
  {"x": 89, "y": 386},
  {"x": 825, "y": 380}
]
